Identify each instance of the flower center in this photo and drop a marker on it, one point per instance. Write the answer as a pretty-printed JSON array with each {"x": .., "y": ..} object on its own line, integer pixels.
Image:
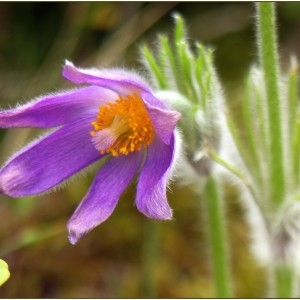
[{"x": 122, "y": 126}]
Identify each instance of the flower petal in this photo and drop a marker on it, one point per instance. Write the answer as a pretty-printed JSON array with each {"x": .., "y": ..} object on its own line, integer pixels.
[
  {"x": 163, "y": 120},
  {"x": 121, "y": 81},
  {"x": 49, "y": 161},
  {"x": 151, "y": 197},
  {"x": 57, "y": 109},
  {"x": 103, "y": 196},
  {"x": 151, "y": 100}
]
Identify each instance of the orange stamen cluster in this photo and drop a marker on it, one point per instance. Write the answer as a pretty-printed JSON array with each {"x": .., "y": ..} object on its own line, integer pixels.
[{"x": 128, "y": 122}]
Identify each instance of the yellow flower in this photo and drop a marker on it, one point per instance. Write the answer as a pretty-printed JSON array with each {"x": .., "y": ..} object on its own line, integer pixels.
[{"x": 4, "y": 272}]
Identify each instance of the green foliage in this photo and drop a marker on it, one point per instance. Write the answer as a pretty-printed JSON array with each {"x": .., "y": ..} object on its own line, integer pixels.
[
  {"x": 192, "y": 75},
  {"x": 267, "y": 143}
]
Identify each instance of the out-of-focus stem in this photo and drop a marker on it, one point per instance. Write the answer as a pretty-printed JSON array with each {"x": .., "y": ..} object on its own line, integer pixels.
[
  {"x": 284, "y": 281},
  {"x": 150, "y": 256},
  {"x": 218, "y": 239}
]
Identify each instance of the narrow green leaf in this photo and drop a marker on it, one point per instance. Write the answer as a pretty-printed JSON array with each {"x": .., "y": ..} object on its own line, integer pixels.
[
  {"x": 253, "y": 134},
  {"x": 199, "y": 70},
  {"x": 179, "y": 34},
  {"x": 168, "y": 63},
  {"x": 261, "y": 117},
  {"x": 204, "y": 72},
  {"x": 186, "y": 60},
  {"x": 154, "y": 68},
  {"x": 293, "y": 93},
  {"x": 239, "y": 141}
]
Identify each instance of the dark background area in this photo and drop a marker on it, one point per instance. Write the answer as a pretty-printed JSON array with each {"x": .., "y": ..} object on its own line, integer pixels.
[{"x": 35, "y": 39}]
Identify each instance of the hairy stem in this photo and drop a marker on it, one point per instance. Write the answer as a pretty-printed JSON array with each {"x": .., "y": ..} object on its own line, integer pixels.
[
  {"x": 267, "y": 46},
  {"x": 217, "y": 235}
]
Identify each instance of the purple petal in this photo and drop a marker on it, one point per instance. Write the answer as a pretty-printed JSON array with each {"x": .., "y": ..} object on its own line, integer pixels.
[
  {"x": 121, "y": 81},
  {"x": 151, "y": 197},
  {"x": 103, "y": 196},
  {"x": 57, "y": 109},
  {"x": 49, "y": 161},
  {"x": 150, "y": 100},
  {"x": 164, "y": 121}
]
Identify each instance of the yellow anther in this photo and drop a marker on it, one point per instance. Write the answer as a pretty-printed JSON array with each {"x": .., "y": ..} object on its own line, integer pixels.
[{"x": 128, "y": 123}]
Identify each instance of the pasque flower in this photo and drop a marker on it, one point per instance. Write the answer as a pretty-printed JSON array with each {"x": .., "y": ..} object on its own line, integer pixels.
[{"x": 114, "y": 115}]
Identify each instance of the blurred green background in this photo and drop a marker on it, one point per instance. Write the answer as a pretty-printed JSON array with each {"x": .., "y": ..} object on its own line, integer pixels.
[{"x": 35, "y": 39}]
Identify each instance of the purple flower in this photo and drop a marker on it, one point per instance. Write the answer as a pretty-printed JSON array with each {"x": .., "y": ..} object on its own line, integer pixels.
[{"x": 116, "y": 116}]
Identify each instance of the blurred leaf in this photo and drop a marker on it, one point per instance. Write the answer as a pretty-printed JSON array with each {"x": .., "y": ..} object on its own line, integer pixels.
[{"x": 32, "y": 236}]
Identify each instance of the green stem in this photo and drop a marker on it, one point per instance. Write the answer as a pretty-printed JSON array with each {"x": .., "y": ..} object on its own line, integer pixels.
[
  {"x": 217, "y": 236},
  {"x": 284, "y": 281},
  {"x": 216, "y": 158},
  {"x": 267, "y": 45},
  {"x": 219, "y": 160},
  {"x": 150, "y": 258}
]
